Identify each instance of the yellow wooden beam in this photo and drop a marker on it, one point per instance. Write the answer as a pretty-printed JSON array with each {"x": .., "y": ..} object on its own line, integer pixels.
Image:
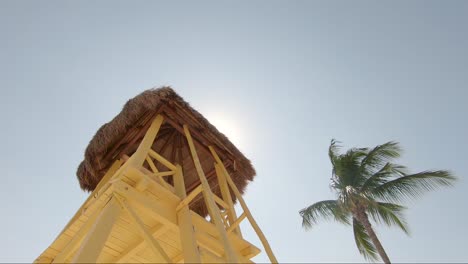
[
  {"x": 162, "y": 210},
  {"x": 76, "y": 240},
  {"x": 137, "y": 246},
  {"x": 187, "y": 237},
  {"x": 139, "y": 156},
  {"x": 226, "y": 194},
  {"x": 151, "y": 164},
  {"x": 161, "y": 159},
  {"x": 164, "y": 173},
  {"x": 212, "y": 207},
  {"x": 190, "y": 197},
  {"x": 252, "y": 221},
  {"x": 162, "y": 192},
  {"x": 95, "y": 194},
  {"x": 220, "y": 201},
  {"x": 236, "y": 223},
  {"x": 97, "y": 236},
  {"x": 153, "y": 243},
  {"x": 149, "y": 174}
]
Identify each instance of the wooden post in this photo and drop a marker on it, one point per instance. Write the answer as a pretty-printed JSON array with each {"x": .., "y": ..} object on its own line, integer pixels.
[
  {"x": 97, "y": 236},
  {"x": 252, "y": 221},
  {"x": 212, "y": 207},
  {"x": 139, "y": 156},
  {"x": 184, "y": 219},
  {"x": 226, "y": 194}
]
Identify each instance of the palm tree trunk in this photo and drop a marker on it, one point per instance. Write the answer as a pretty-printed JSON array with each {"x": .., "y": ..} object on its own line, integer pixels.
[{"x": 362, "y": 217}]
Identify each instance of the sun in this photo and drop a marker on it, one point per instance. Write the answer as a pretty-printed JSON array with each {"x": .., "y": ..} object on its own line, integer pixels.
[{"x": 228, "y": 125}]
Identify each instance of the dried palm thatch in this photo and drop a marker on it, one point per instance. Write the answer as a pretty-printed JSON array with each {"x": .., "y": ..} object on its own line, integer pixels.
[{"x": 122, "y": 135}]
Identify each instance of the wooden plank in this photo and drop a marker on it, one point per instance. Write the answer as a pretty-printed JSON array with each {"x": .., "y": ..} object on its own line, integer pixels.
[
  {"x": 231, "y": 256},
  {"x": 153, "y": 243},
  {"x": 163, "y": 212},
  {"x": 155, "y": 188},
  {"x": 97, "y": 236},
  {"x": 131, "y": 250},
  {"x": 84, "y": 207},
  {"x": 76, "y": 239}
]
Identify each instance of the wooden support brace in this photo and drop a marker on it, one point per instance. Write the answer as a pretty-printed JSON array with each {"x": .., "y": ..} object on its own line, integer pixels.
[
  {"x": 211, "y": 204},
  {"x": 220, "y": 201},
  {"x": 226, "y": 194},
  {"x": 161, "y": 159},
  {"x": 76, "y": 240},
  {"x": 184, "y": 219},
  {"x": 133, "y": 249},
  {"x": 151, "y": 164},
  {"x": 189, "y": 198},
  {"x": 236, "y": 223},
  {"x": 164, "y": 173},
  {"x": 73, "y": 244},
  {"x": 153, "y": 243},
  {"x": 139, "y": 156},
  {"x": 252, "y": 221},
  {"x": 97, "y": 236}
]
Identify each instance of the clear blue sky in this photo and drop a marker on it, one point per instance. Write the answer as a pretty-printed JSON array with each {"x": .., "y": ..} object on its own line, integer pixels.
[{"x": 279, "y": 78}]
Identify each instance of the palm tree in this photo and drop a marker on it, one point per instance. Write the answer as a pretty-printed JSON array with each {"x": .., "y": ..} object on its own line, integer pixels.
[{"x": 369, "y": 185}]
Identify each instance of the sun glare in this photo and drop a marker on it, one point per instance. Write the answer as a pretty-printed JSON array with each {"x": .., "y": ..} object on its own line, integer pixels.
[{"x": 227, "y": 125}]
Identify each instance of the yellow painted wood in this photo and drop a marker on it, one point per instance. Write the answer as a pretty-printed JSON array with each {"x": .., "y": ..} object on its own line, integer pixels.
[
  {"x": 139, "y": 156},
  {"x": 226, "y": 194},
  {"x": 154, "y": 187},
  {"x": 187, "y": 237},
  {"x": 210, "y": 231},
  {"x": 161, "y": 159},
  {"x": 153, "y": 243},
  {"x": 252, "y": 221},
  {"x": 97, "y": 236},
  {"x": 190, "y": 197},
  {"x": 209, "y": 257},
  {"x": 220, "y": 201},
  {"x": 132, "y": 249},
  {"x": 158, "y": 221},
  {"x": 151, "y": 164},
  {"x": 162, "y": 211},
  {"x": 230, "y": 253},
  {"x": 162, "y": 182},
  {"x": 94, "y": 195},
  {"x": 155, "y": 170},
  {"x": 236, "y": 223},
  {"x": 164, "y": 173},
  {"x": 76, "y": 240}
]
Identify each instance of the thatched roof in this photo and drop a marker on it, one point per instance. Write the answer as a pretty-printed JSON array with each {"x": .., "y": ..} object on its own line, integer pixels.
[{"x": 122, "y": 135}]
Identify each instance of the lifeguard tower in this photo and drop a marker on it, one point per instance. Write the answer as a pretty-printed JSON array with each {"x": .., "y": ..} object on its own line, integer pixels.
[{"x": 163, "y": 182}]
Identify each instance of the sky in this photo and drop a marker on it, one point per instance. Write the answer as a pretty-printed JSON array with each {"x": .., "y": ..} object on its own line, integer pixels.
[{"x": 279, "y": 78}]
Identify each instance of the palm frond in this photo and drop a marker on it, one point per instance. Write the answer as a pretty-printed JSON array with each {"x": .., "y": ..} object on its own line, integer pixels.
[
  {"x": 387, "y": 172},
  {"x": 363, "y": 241},
  {"x": 380, "y": 155},
  {"x": 346, "y": 168},
  {"x": 333, "y": 151},
  {"x": 412, "y": 186},
  {"x": 327, "y": 210},
  {"x": 389, "y": 214}
]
